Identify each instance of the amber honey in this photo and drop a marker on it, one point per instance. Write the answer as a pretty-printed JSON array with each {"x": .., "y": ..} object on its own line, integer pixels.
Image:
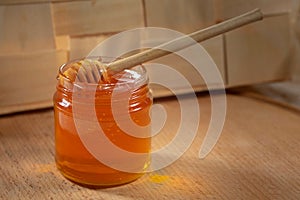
[{"x": 73, "y": 159}]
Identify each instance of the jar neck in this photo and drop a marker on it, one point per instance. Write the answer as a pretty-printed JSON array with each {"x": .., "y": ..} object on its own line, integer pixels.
[{"x": 104, "y": 95}]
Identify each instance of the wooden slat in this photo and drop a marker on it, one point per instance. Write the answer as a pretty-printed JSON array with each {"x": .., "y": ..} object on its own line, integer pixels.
[
  {"x": 27, "y": 79},
  {"x": 26, "y": 28},
  {"x": 11, "y": 2},
  {"x": 259, "y": 52},
  {"x": 179, "y": 15},
  {"x": 225, "y": 9},
  {"x": 81, "y": 46},
  {"x": 62, "y": 42},
  {"x": 295, "y": 15},
  {"x": 99, "y": 16},
  {"x": 214, "y": 48}
]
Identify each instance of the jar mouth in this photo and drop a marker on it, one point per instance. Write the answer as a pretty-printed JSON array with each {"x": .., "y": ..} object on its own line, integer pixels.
[{"x": 134, "y": 77}]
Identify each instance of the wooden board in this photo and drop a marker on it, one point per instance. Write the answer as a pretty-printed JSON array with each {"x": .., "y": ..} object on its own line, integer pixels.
[
  {"x": 81, "y": 46},
  {"x": 99, "y": 16},
  {"x": 26, "y": 28},
  {"x": 11, "y": 2},
  {"x": 259, "y": 52},
  {"x": 214, "y": 48},
  {"x": 296, "y": 33},
  {"x": 28, "y": 80},
  {"x": 257, "y": 157},
  {"x": 62, "y": 42},
  {"x": 225, "y": 9},
  {"x": 179, "y": 15}
]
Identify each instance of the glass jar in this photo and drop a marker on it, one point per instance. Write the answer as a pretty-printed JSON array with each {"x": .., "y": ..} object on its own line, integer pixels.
[{"x": 90, "y": 116}]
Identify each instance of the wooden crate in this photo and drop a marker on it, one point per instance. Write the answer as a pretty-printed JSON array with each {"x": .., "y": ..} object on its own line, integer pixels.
[
  {"x": 28, "y": 80},
  {"x": 94, "y": 17},
  {"x": 259, "y": 52},
  {"x": 215, "y": 49},
  {"x": 184, "y": 16},
  {"x": 82, "y": 46},
  {"x": 225, "y": 9},
  {"x": 26, "y": 28},
  {"x": 53, "y": 32}
]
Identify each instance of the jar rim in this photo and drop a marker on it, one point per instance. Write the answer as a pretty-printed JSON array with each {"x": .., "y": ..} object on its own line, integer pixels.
[{"x": 138, "y": 74}]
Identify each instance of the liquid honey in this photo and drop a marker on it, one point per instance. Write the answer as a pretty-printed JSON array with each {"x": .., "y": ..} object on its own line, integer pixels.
[{"x": 73, "y": 159}]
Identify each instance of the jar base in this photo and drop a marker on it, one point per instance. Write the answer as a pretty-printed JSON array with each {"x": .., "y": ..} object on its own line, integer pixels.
[{"x": 99, "y": 180}]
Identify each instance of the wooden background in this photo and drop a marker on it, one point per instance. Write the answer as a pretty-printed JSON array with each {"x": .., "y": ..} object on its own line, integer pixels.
[{"x": 37, "y": 36}]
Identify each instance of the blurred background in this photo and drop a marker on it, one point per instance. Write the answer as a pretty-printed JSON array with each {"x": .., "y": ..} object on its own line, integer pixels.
[{"x": 37, "y": 36}]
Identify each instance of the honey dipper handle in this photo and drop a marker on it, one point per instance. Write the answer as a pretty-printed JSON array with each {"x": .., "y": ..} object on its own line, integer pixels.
[{"x": 185, "y": 41}]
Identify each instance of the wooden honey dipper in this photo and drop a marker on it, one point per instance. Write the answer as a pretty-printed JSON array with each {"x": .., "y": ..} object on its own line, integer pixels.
[{"x": 92, "y": 71}]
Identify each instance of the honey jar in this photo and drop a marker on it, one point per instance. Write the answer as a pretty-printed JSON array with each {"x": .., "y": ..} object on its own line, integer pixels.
[{"x": 82, "y": 108}]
